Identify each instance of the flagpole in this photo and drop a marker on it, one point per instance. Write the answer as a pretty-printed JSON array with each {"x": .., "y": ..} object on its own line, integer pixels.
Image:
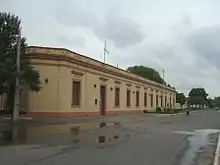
[{"x": 104, "y": 51}]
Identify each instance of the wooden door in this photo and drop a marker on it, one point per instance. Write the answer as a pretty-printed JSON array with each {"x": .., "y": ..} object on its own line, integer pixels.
[{"x": 102, "y": 100}]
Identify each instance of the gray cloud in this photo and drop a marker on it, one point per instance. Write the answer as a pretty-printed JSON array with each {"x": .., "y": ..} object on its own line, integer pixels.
[
  {"x": 179, "y": 36},
  {"x": 71, "y": 13},
  {"x": 116, "y": 27},
  {"x": 205, "y": 43},
  {"x": 72, "y": 41},
  {"x": 184, "y": 67},
  {"x": 122, "y": 31}
]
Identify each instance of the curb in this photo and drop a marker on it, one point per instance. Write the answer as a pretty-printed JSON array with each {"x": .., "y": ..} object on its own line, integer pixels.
[
  {"x": 175, "y": 114},
  {"x": 165, "y": 115},
  {"x": 20, "y": 117},
  {"x": 217, "y": 152}
]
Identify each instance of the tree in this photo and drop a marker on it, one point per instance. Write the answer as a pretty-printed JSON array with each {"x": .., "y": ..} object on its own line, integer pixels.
[
  {"x": 210, "y": 102},
  {"x": 146, "y": 72},
  {"x": 216, "y": 102},
  {"x": 198, "y": 96},
  {"x": 198, "y": 92},
  {"x": 197, "y": 101},
  {"x": 10, "y": 31},
  {"x": 180, "y": 98}
]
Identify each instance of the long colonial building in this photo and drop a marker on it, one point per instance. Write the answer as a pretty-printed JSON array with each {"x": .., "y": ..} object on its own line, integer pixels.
[{"x": 73, "y": 84}]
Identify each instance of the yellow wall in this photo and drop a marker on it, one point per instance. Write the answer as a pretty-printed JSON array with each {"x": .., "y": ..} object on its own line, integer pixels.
[
  {"x": 56, "y": 95},
  {"x": 46, "y": 100}
]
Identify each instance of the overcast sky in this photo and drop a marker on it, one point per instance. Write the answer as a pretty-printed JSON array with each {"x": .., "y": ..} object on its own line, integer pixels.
[{"x": 180, "y": 36}]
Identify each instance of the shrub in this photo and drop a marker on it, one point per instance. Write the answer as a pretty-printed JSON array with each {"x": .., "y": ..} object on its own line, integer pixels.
[
  {"x": 169, "y": 110},
  {"x": 158, "y": 110},
  {"x": 165, "y": 110},
  {"x": 145, "y": 111}
]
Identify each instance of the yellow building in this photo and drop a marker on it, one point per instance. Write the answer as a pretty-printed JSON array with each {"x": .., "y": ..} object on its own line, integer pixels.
[{"x": 73, "y": 84}]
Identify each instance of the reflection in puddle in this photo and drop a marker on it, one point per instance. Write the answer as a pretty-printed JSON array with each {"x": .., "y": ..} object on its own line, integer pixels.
[
  {"x": 75, "y": 130},
  {"x": 101, "y": 139},
  {"x": 117, "y": 125},
  {"x": 106, "y": 139},
  {"x": 12, "y": 136},
  {"x": 102, "y": 124},
  {"x": 92, "y": 133},
  {"x": 197, "y": 140},
  {"x": 109, "y": 124},
  {"x": 116, "y": 137},
  {"x": 108, "y": 132}
]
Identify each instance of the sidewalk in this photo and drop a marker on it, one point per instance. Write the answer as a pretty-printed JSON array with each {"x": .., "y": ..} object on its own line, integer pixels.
[
  {"x": 216, "y": 160},
  {"x": 77, "y": 120},
  {"x": 55, "y": 120}
]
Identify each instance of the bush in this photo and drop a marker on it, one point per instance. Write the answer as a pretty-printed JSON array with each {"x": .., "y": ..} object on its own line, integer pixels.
[
  {"x": 145, "y": 111},
  {"x": 178, "y": 110},
  {"x": 158, "y": 110},
  {"x": 165, "y": 110},
  {"x": 169, "y": 110}
]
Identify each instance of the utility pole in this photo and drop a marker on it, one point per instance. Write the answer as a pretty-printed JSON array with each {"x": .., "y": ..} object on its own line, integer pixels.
[
  {"x": 163, "y": 90},
  {"x": 15, "y": 114}
]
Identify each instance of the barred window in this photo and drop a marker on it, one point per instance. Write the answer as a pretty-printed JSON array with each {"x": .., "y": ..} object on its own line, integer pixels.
[
  {"x": 128, "y": 98},
  {"x": 76, "y": 88},
  {"x": 152, "y": 100},
  {"x": 137, "y": 99},
  {"x": 145, "y": 99},
  {"x": 117, "y": 97},
  {"x": 157, "y": 100}
]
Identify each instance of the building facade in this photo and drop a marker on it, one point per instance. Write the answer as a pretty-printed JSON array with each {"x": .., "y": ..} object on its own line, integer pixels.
[{"x": 73, "y": 84}]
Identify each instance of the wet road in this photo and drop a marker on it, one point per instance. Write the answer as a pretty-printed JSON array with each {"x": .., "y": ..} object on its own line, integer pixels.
[{"x": 140, "y": 140}]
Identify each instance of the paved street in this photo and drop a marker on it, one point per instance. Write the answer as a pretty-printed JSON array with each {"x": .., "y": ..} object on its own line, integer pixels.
[{"x": 132, "y": 140}]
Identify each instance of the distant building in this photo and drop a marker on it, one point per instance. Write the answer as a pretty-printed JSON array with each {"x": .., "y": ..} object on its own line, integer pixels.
[{"x": 73, "y": 84}]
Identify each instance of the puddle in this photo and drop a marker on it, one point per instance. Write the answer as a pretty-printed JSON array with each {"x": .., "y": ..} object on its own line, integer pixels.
[
  {"x": 86, "y": 133},
  {"x": 197, "y": 140},
  {"x": 116, "y": 137},
  {"x": 108, "y": 139},
  {"x": 102, "y": 124},
  {"x": 109, "y": 124},
  {"x": 101, "y": 139},
  {"x": 75, "y": 130}
]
